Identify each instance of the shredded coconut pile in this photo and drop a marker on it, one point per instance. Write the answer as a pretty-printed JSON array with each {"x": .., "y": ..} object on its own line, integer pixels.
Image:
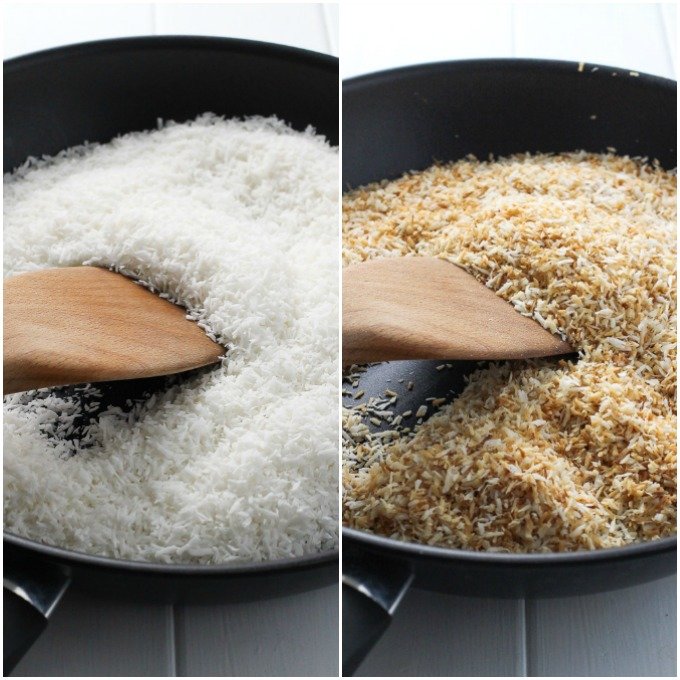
[
  {"x": 543, "y": 455},
  {"x": 237, "y": 221}
]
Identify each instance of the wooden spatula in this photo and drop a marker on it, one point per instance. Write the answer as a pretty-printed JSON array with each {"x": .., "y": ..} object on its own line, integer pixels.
[
  {"x": 428, "y": 308},
  {"x": 85, "y": 324}
]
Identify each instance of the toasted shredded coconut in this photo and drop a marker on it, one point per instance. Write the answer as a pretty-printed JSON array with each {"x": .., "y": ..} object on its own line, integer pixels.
[{"x": 544, "y": 455}]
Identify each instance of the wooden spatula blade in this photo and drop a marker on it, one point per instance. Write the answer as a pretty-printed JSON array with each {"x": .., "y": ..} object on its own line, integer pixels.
[
  {"x": 86, "y": 324},
  {"x": 428, "y": 308}
]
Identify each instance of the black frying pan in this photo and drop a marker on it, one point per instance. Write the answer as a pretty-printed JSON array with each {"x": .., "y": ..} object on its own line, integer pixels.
[
  {"x": 405, "y": 119},
  {"x": 95, "y": 91}
]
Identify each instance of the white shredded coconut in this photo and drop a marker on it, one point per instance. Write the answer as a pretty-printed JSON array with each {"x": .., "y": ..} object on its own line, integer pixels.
[{"x": 237, "y": 221}]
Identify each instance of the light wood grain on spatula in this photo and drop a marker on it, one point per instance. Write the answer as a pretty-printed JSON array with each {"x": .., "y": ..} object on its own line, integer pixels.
[
  {"x": 85, "y": 324},
  {"x": 428, "y": 308}
]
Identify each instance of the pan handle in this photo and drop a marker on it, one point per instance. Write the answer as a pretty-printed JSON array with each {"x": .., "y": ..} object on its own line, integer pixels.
[
  {"x": 30, "y": 595},
  {"x": 372, "y": 589}
]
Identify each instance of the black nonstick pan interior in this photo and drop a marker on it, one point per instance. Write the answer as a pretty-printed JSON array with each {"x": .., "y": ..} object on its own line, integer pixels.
[
  {"x": 408, "y": 118},
  {"x": 96, "y": 91},
  {"x": 93, "y": 92}
]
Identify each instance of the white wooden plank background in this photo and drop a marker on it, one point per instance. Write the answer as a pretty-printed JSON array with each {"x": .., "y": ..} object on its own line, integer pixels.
[
  {"x": 628, "y": 632},
  {"x": 434, "y": 634},
  {"x": 625, "y": 633},
  {"x": 35, "y": 26},
  {"x": 297, "y": 635},
  {"x": 636, "y": 36}
]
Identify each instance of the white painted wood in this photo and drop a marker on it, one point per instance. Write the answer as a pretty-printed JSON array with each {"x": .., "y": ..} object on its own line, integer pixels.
[
  {"x": 379, "y": 36},
  {"x": 289, "y": 636},
  {"x": 669, "y": 17},
  {"x": 100, "y": 636},
  {"x": 331, "y": 14},
  {"x": 625, "y": 35},
  {"x": 299, "y": 25},
  {"x": 629, "y": 632},
  {"x": 443, "y": 635},
  {"x": 30, "y": 27}
]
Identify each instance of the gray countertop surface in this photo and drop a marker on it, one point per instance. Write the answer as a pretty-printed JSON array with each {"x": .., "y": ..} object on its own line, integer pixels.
[{"x": 628, "y": 632}]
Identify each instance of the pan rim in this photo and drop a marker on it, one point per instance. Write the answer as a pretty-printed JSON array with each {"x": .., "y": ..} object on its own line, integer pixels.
[
  {"x": 74, "y": 557},
  {"x": 175, "y": 41},
  {"x": 528, "y": 63},
  {"x": 411, "y": 549},
  {"x": 278, "y": 51}
]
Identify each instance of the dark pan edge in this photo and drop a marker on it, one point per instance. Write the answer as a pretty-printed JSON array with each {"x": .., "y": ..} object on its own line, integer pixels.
[
  {"x": 558, "y": 65},
  {"x": 150, "y": 42},
  {"x": 409, "y": 549},
  {"x": 175, "y": 570}
]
